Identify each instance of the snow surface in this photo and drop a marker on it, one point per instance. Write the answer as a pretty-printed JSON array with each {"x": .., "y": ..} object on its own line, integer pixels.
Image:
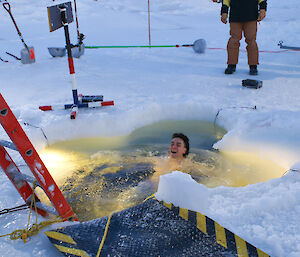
[{"x": 150, "y": 85}]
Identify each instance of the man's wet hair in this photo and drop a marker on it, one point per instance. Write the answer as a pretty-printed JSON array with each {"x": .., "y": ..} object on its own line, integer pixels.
[{"x": 185, "y": 140}]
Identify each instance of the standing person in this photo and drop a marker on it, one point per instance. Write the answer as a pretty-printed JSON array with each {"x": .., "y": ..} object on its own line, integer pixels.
[{"x": 243, "y": 17}]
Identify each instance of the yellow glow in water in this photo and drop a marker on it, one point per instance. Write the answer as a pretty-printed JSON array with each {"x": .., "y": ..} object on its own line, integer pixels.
[
  {"x": 51, "y": 158},
  {"x": 62, "y": 164},
  {"x": 247, "y": 168}
]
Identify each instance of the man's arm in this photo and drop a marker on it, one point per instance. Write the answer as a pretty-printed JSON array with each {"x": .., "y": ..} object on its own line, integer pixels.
[
  {"x": 262, "y": 9},
  {"x": 224, "y": 10}
]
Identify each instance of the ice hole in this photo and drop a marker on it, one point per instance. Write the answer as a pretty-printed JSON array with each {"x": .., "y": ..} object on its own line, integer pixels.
[{"x": 101, "y": 175}]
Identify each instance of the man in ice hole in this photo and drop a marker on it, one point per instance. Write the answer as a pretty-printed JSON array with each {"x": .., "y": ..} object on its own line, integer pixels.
[
  {"x": 179, "y": 148},
  {"x": 178, "y": 151}
]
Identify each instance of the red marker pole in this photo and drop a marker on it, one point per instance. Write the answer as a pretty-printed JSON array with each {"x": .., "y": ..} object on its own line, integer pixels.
[{"x": 70, "y": 58}]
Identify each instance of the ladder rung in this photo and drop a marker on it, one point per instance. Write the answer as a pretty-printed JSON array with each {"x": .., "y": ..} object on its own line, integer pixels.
[
  {"x": 29, "y": 179},
  {"x": 8, "y": 145},
  {"x": 46, "y": 208},
  {"x": 18, "y": 176}
]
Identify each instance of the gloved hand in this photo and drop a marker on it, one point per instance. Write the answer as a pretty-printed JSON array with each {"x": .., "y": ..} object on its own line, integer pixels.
[
  {"x": 262, "y": 14},
  {"x": 224, "y": 17}
]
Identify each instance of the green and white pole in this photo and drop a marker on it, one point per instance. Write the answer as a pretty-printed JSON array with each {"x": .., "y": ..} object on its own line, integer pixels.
[
  {"x": 138, "y": 46},
  {"x": 199, "y": 46}
]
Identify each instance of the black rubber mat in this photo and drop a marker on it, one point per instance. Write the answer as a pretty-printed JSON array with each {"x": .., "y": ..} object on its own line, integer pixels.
[{"x": 148, "y": 229}]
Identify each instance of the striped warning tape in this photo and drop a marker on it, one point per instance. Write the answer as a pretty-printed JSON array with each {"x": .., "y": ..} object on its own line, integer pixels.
[
  {"x": 76, "y": 252},
  {"x": 66, "y": 239},
  {"x": 223, "y": 236}
]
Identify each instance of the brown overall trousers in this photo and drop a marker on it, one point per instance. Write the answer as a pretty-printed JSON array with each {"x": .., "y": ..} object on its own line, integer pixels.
[{"x": 236, "y": 28}]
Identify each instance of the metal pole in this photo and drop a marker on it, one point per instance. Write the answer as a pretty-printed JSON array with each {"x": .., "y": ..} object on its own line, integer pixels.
[
  {"x": 149, "y": 29},
  {"x": 138, "y": 46},
  {"x": 77, "y": 25}
]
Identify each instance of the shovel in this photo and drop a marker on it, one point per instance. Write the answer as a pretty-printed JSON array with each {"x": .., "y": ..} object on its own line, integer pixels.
[{"x": 27, "y": 54}]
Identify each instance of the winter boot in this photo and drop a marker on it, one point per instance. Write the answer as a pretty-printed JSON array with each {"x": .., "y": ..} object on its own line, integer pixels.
[
  {"x": 230, "y": 69},
  {"x": 253, "y": 70}
]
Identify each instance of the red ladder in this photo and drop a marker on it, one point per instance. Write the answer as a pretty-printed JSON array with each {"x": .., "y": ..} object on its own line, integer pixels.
[{"x": 22, "y": 144}]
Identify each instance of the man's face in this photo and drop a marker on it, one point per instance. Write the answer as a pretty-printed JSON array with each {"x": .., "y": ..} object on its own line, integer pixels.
[{"x": 177, "y": 148}]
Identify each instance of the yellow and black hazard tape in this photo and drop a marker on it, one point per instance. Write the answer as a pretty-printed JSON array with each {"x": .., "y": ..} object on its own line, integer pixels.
[
  {"x": 223, "y": 236},
  {"x": 71, "y": 248},
  {"x": 66, "y": 244}
]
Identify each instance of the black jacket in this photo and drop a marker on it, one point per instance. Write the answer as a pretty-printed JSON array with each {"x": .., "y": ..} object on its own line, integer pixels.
[{"x": 243, "y": 10}]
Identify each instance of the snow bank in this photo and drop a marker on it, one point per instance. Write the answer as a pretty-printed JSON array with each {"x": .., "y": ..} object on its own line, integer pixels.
[{"x": 261, "y": 214}]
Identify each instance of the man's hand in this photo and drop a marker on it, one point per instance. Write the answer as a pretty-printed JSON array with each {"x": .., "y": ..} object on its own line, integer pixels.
[
  {"x": 224, "y": 17},
  {"x": 262, "y": 14}
]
